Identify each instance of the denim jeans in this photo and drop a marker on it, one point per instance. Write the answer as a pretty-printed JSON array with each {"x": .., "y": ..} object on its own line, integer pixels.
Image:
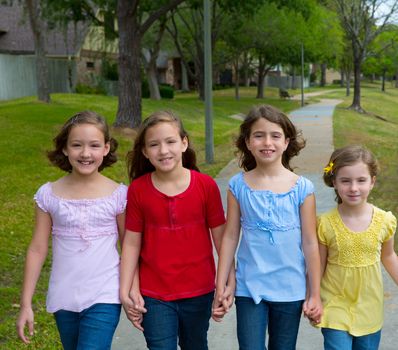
[
  {"x": 182, "y": 320},
  {"x": 90, "y": 329},
  {"x": 334, "y": 339},
  {"x": 281, "y": 318}
]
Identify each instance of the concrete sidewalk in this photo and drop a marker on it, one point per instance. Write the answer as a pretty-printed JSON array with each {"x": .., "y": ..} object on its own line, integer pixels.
[{"x": 315, "y": 121}]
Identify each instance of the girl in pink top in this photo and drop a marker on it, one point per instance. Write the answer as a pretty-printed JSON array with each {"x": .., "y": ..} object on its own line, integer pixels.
[
  {"x": 83, "y": 212},
  {"x": 171, "y": 211}
]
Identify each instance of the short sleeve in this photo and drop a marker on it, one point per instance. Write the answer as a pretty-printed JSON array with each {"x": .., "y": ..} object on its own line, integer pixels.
[
  {"x": 306, "y": 187},
  {"x": 321, "y": 229},
  {"x": 390, "y": 226},
  {"x": 42, "y": 197},
  {"x": 234, "y": 184},
  {"x": 121, "y": 199},
  {"x": 134, "y": 215},
  {"x": 214, "y": 209}
]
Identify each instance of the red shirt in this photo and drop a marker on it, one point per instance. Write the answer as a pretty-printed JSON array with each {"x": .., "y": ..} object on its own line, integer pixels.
[{"x": 176, "y": 259}]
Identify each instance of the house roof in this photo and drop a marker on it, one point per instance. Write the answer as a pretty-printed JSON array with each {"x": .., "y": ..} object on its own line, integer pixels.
[{"x": 16, "y": 35}]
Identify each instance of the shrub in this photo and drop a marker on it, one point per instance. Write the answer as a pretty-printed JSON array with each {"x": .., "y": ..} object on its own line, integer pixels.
[
  {"x": 166, "y": 91},
  {"x": 145, "y": 89},
  {"x": 90, "y": 90}
]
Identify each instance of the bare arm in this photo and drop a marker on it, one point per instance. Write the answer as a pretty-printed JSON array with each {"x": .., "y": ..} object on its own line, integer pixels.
[
  {"x": 35, "y": 257},
  {"x": 129, "y": 273},
  {"x": 323, "y": 254},
  {"x": 390, "y": 259},
  {"x": 312, "y": 306},
  {"x": 120, "y": 221},
  {"x": 226, "y": 268}
]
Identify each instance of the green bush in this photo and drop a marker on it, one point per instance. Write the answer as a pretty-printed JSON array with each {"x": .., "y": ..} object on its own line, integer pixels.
[
  {"x": 110, "y": 70},
  {"x": 166, "y": 91},
  {"x": 89, "y": 90},
  {"x": 145, "y": 89}
]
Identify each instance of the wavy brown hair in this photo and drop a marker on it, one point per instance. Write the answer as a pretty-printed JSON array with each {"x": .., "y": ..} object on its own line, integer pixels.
[
  {"x": 138, "y": 164},
  {"x": 345, "y": 156},
  {"x": 274, "y": 115},
  {"x": 57, "y": 156}
]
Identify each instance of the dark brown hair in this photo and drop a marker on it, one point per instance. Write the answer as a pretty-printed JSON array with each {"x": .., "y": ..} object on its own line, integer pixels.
[
  {"x": 57, "y": 156},
  {"x": 138, "y": 164},
  {"x": 272, "y": 114},
  {"x": 345, "y": 156}
]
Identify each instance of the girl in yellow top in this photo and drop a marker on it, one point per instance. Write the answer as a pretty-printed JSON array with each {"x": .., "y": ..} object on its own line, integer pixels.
[{"x": 353, "y": 238}]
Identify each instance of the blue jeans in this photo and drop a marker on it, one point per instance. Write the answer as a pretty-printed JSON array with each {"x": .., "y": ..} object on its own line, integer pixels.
[
  {"x": 182, "y": 320},
  {"x": 334, "y": 339},
  {"x": 281, "y": 318},
  {"x": 90, "y": 329}
]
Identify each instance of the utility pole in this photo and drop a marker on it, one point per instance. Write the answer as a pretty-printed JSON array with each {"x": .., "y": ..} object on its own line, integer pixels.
[
  {"x": 302, "y": 75},
  {"x": 209, "y": 142}
]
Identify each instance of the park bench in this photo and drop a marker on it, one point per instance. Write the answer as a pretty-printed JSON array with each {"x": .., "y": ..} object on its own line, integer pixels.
[{"x": 283, "y": 93}]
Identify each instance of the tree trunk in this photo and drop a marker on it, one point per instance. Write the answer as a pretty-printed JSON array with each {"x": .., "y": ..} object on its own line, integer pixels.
[
  {"x": 153, "y": 81},
  {"x": 347, "y": 83},
  {"x": 323, "y": 74},
  {"x": 129, "y": 107},
  {"x": 260, "y": 83},
  {"x": 184, "y": 78},
  {"x": 236, "y": 66},
  {"x": 396, "y": 79},
  {"x": 383, "y": 81},
  {"x": 38, "y": 29},
  {"x": 245, "y": 66},
  {"x": 341, "y": 78},
  {"x": 293, "y": 84},
  {"x": 356, "y": 102}
]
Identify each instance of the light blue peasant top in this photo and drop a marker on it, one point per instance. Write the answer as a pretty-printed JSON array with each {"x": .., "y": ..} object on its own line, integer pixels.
[{"x": 270, "y": 260}]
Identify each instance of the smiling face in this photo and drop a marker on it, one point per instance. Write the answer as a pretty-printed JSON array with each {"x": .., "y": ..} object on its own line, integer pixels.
[
  {"x": 353, "y": 183},
  {"x": 86, "y": 149},
  {"x": 164, "y": 146},
  {"x": 267, "y": 141}
]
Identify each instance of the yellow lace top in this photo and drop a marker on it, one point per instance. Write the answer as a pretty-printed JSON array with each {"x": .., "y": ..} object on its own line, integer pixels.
[{"x": 352, "y": 286}]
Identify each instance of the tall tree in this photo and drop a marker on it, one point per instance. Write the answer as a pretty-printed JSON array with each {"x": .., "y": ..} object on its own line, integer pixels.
[
  {"x": 134, "y": 19},
  {"x": 363, "y": 21},
  {"x": 383, "y": 55},
  {"x": 39, "y": 26},
  {"x": 150, "y": 54}
]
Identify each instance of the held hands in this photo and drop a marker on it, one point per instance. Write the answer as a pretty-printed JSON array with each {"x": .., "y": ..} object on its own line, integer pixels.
[
  {"x": 134, "y": 308},
  {"x": 25, "y": 317},
  {"x": 223, "y": 301},
  {"x": 313, "y": 310}
]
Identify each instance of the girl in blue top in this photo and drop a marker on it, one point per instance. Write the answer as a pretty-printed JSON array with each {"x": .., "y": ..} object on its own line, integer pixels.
[{"x": 276, "y": 210}]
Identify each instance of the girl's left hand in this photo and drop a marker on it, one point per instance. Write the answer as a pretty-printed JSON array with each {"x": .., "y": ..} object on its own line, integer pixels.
[
  {"x": 223, "y": 302},
  {"x": 313, "y": 309},
  {"x": 136, "y": 309}
]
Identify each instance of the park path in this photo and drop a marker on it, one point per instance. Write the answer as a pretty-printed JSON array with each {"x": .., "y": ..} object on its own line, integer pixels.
[{"x": 316, "y": 123}]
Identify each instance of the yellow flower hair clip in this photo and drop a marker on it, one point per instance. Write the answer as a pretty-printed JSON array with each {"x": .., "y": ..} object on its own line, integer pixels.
[{"x": 329, "y": 168}]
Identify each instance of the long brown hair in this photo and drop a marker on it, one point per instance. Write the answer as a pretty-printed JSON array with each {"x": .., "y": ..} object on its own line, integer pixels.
[
  {"x": 272, "y": 114},
  {"x": 138, "y": 164},
  {"x": 57, "y": 156}
]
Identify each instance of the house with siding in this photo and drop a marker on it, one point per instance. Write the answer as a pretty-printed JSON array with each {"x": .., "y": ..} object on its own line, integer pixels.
[{"x": 74, "y": 54}]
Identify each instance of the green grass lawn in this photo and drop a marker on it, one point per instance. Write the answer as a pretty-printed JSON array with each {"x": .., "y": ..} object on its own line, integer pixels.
[
  {"x": 378, "y": 135},
  {"x": 27, "y": 128}
]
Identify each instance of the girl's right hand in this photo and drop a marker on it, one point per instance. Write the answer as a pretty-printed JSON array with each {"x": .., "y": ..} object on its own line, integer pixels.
[
  {"x": 222, "y": 303},
  {"x": 134, "y": 307},
  {"x": 26, "y": 316}
]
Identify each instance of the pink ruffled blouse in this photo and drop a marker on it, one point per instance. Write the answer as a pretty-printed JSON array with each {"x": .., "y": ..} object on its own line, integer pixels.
[{"x": 85, "y": 260}]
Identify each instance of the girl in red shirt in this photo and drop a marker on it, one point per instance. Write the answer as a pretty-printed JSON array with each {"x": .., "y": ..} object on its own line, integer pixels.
[{"x": 173, "y": 214}]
